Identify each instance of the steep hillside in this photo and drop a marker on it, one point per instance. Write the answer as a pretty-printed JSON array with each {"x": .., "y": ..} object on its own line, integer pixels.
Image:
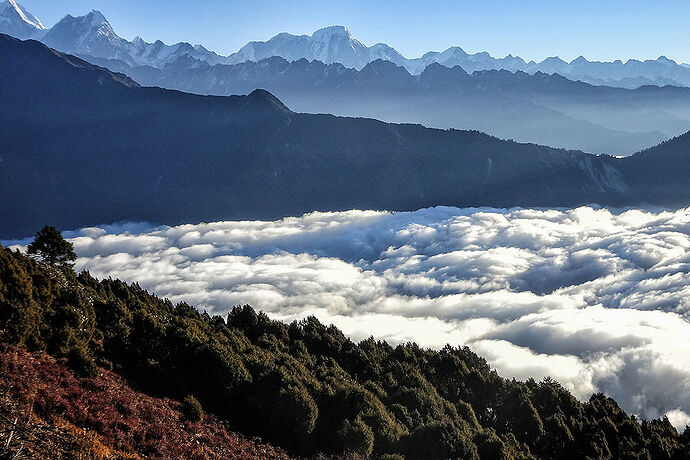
[
  {"x": 663, "y": 171},
  {"x": 47, "y": 411},
  {"x": 302, "y": 386}
]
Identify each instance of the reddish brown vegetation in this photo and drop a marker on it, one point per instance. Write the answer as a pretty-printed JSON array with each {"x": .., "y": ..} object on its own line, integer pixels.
[{"x": 47, "y": 412}]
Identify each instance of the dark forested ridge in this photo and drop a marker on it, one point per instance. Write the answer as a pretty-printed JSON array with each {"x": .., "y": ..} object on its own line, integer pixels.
[
  {"x": 302, "y": 386},
  {"x": 80, "y": 145}
]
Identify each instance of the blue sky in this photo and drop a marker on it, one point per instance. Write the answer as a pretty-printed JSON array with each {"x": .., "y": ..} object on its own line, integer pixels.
[{"x": 602, "y": 30}]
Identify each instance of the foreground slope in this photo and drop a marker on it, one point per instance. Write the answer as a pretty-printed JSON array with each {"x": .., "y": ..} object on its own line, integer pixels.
[
  {"x": 82, "y": 145},
  {"x": 54, "y": 413},
  {"x": 302, "y": 386}
]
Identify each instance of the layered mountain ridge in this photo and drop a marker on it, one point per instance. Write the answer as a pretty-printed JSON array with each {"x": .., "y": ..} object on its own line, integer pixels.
[
  {"x": 541, "y": 108},
  {"x": 85, "y": 146},
  {"x": 332, "y": 72},
  {"x": 334, "y": 44}
]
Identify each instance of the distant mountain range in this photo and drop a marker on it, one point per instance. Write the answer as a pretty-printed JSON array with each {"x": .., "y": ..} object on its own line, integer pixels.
[
  {"x": 82, "y": 145},
  {"x": 335, "y": 44},
  {"x": 319, "y": 74},
  {"x": 540, "y": 108},
  {"x": 92, "y": 35}
]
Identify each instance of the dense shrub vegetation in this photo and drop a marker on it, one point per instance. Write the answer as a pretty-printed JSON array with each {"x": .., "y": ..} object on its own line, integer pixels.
[
  {"x": 47, "y": 412},
  {"x": 305, "y": 386}
]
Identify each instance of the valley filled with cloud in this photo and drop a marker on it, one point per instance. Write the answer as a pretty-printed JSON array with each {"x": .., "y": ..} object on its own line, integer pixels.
[{"x": 595, "y": 298}]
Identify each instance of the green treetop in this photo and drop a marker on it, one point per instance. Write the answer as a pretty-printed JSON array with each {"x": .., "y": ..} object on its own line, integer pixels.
[{"x": 52, "y": 248}]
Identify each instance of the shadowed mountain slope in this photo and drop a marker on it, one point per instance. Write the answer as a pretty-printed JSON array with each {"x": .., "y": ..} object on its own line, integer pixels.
[{"x": 82, "y": 145}]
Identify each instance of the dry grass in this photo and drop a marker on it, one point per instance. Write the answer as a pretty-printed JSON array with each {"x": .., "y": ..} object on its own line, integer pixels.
[{"x": 47, "y": 412}]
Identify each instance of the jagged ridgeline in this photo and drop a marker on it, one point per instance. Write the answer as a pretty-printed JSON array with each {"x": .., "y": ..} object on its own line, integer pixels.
[{"x": 305, "y": 386}]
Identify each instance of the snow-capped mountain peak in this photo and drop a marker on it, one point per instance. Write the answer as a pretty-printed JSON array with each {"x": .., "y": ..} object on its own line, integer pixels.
[
  {"x": 92, "y": 35},
  {"x": 15, "y": 20},
  {"x": 335, "y": 44},
  {"x": 328, "y": 33},
  {"x": 329, "y": 45},
  {"x": 97, "y": 19},
  {"x": 25, "y": 15}
]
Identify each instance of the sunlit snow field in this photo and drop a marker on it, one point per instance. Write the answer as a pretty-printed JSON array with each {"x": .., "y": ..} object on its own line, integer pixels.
[{"x": 597, "y": 299}]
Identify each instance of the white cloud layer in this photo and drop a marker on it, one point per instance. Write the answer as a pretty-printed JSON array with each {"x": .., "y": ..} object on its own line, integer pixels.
[{"x": 598, "y": 300}]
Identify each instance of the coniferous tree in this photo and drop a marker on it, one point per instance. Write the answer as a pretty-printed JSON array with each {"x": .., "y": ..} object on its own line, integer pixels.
[{"x": 52, "y": 248}]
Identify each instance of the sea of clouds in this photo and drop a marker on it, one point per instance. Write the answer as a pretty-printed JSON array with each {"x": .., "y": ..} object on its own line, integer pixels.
[{"x": 597, "y": 299}]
